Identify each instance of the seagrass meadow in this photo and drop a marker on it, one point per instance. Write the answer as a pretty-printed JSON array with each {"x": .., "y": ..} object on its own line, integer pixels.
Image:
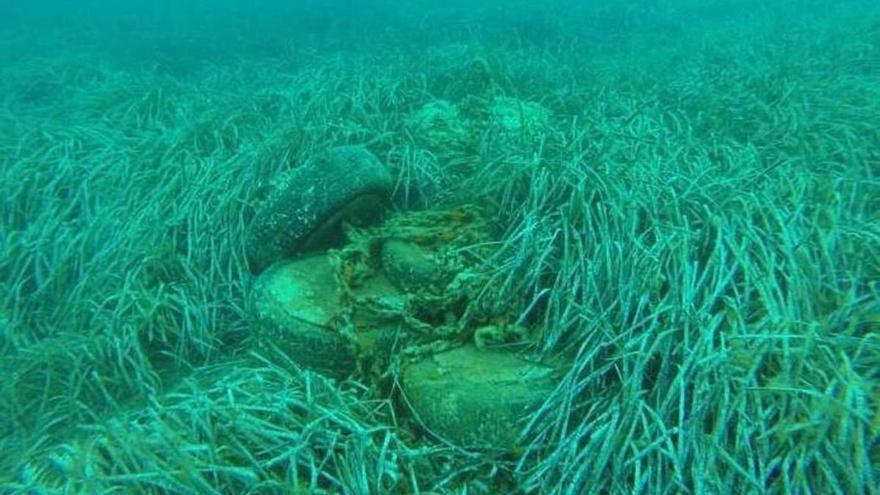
[{"x": 679, "y": 215}]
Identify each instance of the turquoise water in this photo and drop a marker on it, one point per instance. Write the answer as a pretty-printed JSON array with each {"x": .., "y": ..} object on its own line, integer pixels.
[{"x": 413, "y": 247}]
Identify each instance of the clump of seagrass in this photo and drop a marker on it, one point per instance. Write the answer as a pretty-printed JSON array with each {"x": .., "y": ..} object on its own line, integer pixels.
[{"x": 244, "y": 426}]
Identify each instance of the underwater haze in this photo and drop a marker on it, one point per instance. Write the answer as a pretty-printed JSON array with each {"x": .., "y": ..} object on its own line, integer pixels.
[{"x": 379, "y": 247}]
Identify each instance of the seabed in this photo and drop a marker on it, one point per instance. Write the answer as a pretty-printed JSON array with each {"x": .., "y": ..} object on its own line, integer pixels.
[{"x": 567, "y": 249}]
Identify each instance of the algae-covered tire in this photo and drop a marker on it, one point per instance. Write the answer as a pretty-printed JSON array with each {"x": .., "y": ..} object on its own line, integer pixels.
[
  {"x": 309, "y": 203},
  {"x": 476, "y": 399},
  {"x": 409, "y": 266},
  {"x": 296, "y": 302}
]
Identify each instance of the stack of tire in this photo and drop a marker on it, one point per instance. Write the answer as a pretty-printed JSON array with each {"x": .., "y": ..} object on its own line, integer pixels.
[{"x": 471, "y": 398}]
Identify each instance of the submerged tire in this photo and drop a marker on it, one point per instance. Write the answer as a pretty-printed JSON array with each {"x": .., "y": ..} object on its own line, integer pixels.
[
  {"x": 409, "y": 266},
  {"x": 310, "y": 202},
  {"x": 296, "y": 302},
  {"x": 476, "y": 399}
]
